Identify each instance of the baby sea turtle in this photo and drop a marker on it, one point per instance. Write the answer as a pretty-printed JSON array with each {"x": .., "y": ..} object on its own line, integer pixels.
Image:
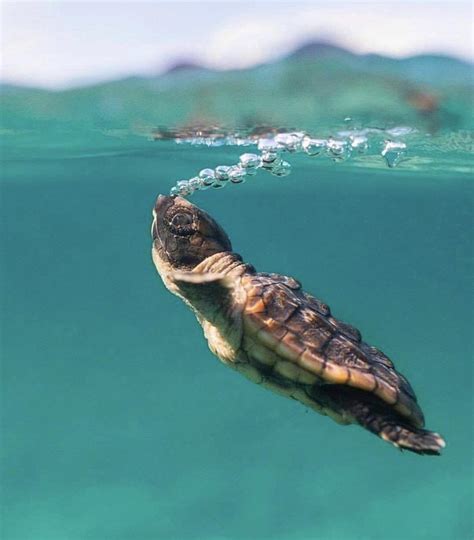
[{"x": 267, "y": 328}]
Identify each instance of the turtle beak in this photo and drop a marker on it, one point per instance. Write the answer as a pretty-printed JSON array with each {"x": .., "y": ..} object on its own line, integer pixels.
[{"x": 162, "y": 203}]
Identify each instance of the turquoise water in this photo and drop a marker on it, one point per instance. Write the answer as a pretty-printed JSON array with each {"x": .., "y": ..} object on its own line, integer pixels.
[{"x": 117, "y": 421}]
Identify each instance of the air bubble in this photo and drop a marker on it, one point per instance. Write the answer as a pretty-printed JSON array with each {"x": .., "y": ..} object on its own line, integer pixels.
[
  {"x": 291, "y": 142},
  {"x": 249, "y": 161},
  {"x": 197, "y": 183},
  {"x": 269, "y": 145},
  {"x": 183, "y": 188},
  {"x": 206, "y": 173},
  {"x": 205, "y": 179},
  {"x": 222, "y": 173},
  {"x": 400, "y": 131},
  {"x": 359, "y": 143},
  {"x": 339, "y": 150},
  {"x": 313, "y": 147},
  {"x": 270, "y": 160},
  {"x": 237, "y": 174},
  {"x": 283, "y": 169},
  {"x": 394, "y": 152}
]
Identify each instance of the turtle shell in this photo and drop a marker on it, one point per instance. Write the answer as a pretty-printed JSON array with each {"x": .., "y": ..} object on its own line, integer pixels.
[{"x": 300, "y": 330}]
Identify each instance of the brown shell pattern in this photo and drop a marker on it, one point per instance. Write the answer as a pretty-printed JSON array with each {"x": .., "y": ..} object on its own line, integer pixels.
[{"x": 301, "y": 329}]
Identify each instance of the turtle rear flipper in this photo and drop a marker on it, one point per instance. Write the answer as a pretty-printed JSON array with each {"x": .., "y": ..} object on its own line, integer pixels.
[
  {"x": 376, "y": 417},
  {"x": 402, "y": 435},
  {"x": 393, "y": 429},
  {"x": 418, "y": 440}
]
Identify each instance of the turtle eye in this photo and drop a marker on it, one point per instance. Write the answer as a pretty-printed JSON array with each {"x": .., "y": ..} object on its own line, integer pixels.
[{"x": 182, "y": 223}]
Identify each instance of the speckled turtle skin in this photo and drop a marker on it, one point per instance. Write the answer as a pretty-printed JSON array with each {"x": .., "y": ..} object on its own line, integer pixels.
[{"x": 266, "y": 327}]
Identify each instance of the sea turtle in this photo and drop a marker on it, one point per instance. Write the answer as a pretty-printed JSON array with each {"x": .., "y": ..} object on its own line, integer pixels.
[{"x": 267, "y": 328}]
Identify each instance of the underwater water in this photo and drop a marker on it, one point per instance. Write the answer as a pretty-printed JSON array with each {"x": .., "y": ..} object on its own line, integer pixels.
[{"x": 117, "y": 422}]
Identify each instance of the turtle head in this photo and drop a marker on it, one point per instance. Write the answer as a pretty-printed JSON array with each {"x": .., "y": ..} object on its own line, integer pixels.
[{"x": 184, "y": 235}]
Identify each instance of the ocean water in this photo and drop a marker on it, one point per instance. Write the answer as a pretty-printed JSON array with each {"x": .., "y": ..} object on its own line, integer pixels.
[
  {"x": 119, "y": 424},
  {"x": 117, "y": 421}
]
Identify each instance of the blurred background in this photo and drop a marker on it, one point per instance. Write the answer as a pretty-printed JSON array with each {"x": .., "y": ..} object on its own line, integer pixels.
[
  {"x": 237, "y": 63},
  {"x": 71, "y": 48}
]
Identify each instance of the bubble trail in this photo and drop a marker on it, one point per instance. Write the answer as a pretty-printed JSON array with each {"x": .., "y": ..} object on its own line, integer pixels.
[{"x": 341, "y": 147}]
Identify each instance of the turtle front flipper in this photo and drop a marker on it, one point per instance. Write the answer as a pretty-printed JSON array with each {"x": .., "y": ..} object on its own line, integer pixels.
[
  {"x": 374, "y": 415},
  {"x": 217, "y": 300},
  {"x": 207, "y": 293}
]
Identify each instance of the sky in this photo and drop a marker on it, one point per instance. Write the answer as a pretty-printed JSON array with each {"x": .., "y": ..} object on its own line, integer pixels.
[{"x": 58, "y": 44}]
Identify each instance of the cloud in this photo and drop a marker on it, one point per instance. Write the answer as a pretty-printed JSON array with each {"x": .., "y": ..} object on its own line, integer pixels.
[
  {"x": 392, "y": 29},
  {"x": 58, "y": 45}
]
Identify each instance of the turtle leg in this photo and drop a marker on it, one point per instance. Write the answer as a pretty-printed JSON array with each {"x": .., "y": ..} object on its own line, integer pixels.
[
  {"x": 393, "y": 429},
  {"x": 376, "y": 417}
]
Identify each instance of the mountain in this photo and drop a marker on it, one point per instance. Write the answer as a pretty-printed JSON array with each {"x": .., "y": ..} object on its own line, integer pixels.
[
  {"x": 317, "y": 85},
  {"x": 185, "y": 66},
  {"x": 318, "y": 49}
]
